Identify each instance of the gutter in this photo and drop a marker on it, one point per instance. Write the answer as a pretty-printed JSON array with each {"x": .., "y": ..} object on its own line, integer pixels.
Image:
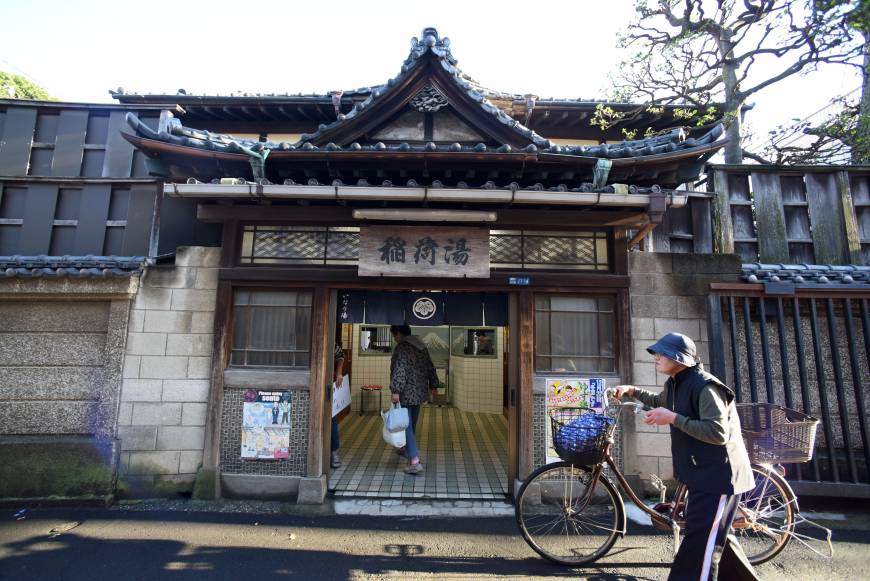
[{"x": 419, "y": 194}]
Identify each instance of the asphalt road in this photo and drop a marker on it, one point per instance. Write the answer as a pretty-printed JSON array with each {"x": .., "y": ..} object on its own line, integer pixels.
[{"x": 157, "y": 544}]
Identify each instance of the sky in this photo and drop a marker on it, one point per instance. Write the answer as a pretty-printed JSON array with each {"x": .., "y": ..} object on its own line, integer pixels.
[{"x": 79, "y": 49}]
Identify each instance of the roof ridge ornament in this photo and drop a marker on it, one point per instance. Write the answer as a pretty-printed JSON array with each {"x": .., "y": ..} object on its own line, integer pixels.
[{"x": 430, "y": 40}]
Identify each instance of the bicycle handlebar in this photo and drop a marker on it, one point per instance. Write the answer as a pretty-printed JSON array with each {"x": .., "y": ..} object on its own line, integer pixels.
[{"x": 638, "y": 406}]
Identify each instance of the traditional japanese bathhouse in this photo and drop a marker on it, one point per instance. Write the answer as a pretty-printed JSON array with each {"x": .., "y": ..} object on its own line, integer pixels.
[{"x": 497, "y": 225}]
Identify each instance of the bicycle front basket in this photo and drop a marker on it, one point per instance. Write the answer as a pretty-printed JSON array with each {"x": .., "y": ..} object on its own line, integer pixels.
[
  {"x": 777, "y": 435},
  {"x": 580, "y": 435}
]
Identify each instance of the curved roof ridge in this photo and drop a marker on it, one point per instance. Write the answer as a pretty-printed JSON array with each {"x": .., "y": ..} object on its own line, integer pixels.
[{"x": 431, "y": 42}]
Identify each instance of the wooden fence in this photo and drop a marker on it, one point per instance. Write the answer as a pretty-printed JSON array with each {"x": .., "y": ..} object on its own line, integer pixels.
[{"x": 776, "y": 214}]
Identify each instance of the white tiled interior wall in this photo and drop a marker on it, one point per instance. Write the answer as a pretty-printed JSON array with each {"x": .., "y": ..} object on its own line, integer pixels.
[
  {"x": 368, "y": 370},
  {"x": 475, "y": 383}
]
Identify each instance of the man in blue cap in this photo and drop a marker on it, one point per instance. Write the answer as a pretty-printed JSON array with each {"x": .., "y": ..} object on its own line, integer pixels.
[{"x": 709, "y": 458}]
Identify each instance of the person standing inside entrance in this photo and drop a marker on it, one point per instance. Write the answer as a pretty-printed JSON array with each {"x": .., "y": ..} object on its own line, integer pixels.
[
  {"x": 337, "y": 377},
  {"x": 709, "y": 458},
  {"x": 412, "y": 377}
]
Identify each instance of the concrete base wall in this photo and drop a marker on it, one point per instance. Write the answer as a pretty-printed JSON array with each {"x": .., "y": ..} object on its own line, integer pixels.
[{"x": 668, "y": 293}]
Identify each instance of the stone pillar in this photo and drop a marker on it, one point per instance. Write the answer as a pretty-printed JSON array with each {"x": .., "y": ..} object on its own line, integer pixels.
[
  {"x": 668, "y": 294},
  {"x": 167, "y": 371}
]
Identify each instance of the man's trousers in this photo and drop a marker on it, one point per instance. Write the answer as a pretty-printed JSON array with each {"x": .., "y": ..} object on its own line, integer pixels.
[{"x": 708, "y": 551}]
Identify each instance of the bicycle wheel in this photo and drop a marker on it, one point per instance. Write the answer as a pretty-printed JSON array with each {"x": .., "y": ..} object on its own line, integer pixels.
[
  {"x": 566, "y": 521},
  {"x": 765, "y": 516}
]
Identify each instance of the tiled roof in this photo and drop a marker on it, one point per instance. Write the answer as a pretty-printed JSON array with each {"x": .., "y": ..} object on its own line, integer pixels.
[
  {"x": 668, "y": 143},
  {"x": 808, "y": 275},
  {"x": 71, "y": 266}
]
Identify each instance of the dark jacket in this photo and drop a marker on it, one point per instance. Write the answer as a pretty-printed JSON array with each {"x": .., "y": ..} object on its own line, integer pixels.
[
  {"x": 722, "y": 467},
  {"x": 412, "y": 373}
]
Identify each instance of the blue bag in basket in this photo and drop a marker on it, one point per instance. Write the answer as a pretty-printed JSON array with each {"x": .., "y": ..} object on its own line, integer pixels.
[{"x": 582, "y": 435}]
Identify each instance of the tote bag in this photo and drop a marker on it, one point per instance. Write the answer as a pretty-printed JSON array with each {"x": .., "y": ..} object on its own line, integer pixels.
[{"x": 396, "y": 419}]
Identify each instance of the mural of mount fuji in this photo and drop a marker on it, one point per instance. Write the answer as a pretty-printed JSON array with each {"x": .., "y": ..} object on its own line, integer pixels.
[{"x": 436, "y": 340}]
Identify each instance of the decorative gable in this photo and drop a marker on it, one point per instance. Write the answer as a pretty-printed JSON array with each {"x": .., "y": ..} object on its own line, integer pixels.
[{"x": 430, "y": 101}]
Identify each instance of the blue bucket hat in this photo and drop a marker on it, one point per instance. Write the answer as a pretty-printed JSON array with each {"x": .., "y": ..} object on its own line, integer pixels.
[{"x": 676, "y": 346}]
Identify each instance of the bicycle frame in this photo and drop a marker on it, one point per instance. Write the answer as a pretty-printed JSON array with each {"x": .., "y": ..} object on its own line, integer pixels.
[
  {"x": 662, "y": 521},
  {"x": 673, "y": 521}
]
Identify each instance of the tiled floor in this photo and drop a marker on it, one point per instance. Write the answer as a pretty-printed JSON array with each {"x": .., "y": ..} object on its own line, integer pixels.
[{"x": 464, "y": 455}]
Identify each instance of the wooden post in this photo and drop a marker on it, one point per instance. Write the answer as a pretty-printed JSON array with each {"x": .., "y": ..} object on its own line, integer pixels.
[
  {"x": 526, "y": 357},
  {"x": 317, "y": 384},
  {"x": 723, "y": 230},
  {"x": 223, "y": 322},
  {"x": 326, "y": 408},
  {"x": 229, "y": 244},
  {"x": 624, "y": 351},
  {"x": 513, "y": 390},
  {"x": 850, "y": 220},
  {"x": 826, "y": 217},
  {"x": 716, "y": 333},
  {"x": 702, "y": 227},
  {"x": 769, "y": 218},
  {"x": 620, "y": 251}
]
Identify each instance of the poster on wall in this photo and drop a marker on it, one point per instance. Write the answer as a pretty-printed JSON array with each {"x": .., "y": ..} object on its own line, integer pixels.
[
  {"x": 266, "y": 425},
  {"x": 340, "y": 396},
  {"x": 572, "y": 392}
]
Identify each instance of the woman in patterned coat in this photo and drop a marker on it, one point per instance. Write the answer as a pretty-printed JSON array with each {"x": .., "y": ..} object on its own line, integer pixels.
[{"x": 412, "y": 376}]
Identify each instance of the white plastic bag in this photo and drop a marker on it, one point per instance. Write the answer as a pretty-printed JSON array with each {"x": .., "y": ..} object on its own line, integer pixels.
[
  {"x": 396, "y": 419},
  {"x": 394, "y": 439}
]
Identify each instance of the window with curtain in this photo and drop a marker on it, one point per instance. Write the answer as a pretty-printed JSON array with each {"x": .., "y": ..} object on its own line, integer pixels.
[
  {"x": 271, "y": 329},
  {"x": 574, "y": 334}
]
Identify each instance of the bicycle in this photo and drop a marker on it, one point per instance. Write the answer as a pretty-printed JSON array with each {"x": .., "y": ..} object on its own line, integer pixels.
[{"x": 571, "y": 513}]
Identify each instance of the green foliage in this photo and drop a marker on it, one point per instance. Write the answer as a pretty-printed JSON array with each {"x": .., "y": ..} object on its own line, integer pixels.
[
  {"x": 840, "y": 137},
  {"x": 605, "y": 117},
  {"x": 14, "y": 86}
]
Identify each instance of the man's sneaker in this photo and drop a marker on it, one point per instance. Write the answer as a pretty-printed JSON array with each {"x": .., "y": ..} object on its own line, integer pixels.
[
  {"x": 414, "y": 468},
  {"x": 402, "y": 452},
  {"x": 335, "y": 461}
]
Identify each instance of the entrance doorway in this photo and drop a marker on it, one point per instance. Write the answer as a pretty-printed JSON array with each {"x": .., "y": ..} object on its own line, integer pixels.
[{"x": 462, "y": 432}]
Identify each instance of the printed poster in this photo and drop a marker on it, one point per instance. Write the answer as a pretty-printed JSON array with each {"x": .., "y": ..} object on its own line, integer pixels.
[
  {"x": 572, "y": 392},
  {"x": 266, "y": 425},
  {"x": 340, "y": 396}
]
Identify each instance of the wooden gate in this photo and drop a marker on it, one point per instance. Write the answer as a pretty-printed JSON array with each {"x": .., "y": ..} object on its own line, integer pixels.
[{"x": 807, "y": 351}]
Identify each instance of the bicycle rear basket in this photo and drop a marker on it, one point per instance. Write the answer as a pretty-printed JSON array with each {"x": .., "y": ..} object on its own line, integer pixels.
[
  {"x": 580, "y": 435},
  {"x": 777, "y": 435}
]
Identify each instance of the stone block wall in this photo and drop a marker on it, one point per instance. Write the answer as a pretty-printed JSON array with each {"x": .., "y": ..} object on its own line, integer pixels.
[
  {"x": 668, "y": 293},
  {"x": 167, "y": 373},
  {"x": 61, "y": 356}
]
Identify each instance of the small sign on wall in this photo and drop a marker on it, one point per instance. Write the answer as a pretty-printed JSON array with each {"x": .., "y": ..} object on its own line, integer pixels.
[
  {"x": 586, "y": 392},
  {"x": 420, "y": 251},
  {"x": 266, "y": 425}
]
